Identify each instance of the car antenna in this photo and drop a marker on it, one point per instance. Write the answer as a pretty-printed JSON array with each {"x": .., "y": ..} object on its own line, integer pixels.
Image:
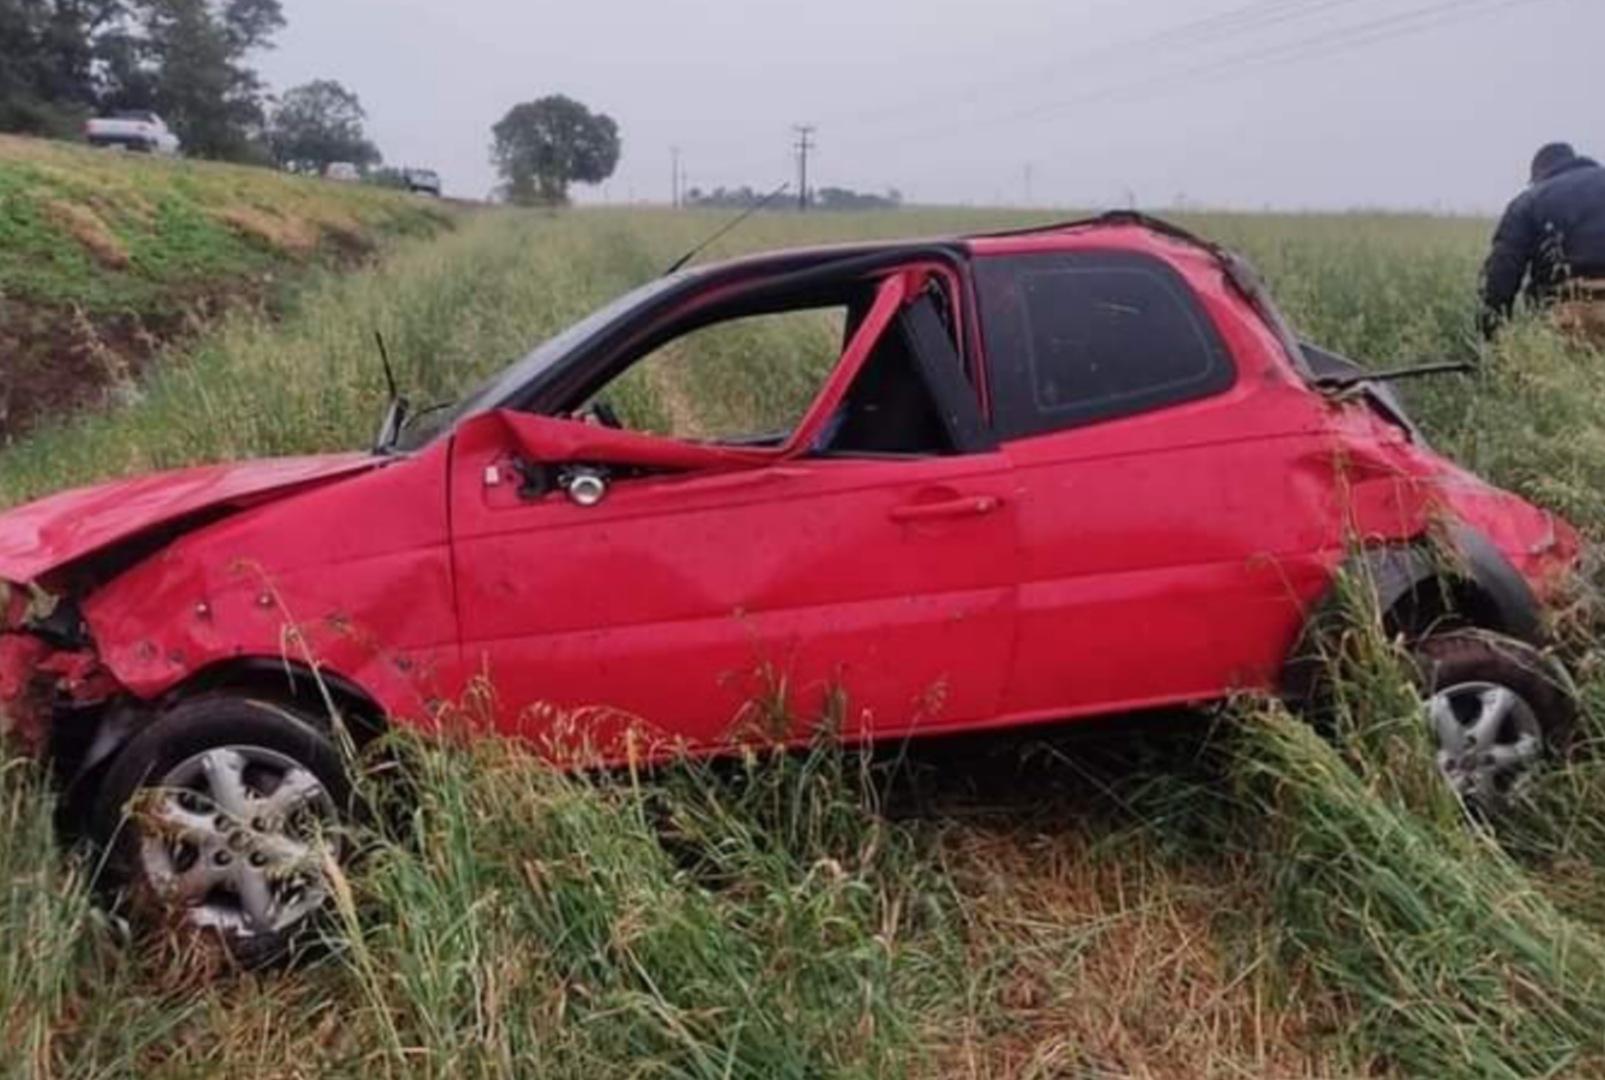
[
  {"x": 384, "y": 360},
  {"x": 396, "y": 411},
  {"x": 727, "y": 228}
]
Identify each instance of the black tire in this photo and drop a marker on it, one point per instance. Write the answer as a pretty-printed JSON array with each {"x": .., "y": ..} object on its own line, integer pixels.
[
  {"x": 1476, "y": 658},
  {"x": 185, "y": 732}
]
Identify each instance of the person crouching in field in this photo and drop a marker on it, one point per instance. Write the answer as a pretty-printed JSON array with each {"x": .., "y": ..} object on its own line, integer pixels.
[{"x": 1553, "y": 238}]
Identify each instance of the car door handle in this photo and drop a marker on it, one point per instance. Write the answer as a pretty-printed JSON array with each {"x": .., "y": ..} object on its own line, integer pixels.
[{"x": 969, "y": 506}]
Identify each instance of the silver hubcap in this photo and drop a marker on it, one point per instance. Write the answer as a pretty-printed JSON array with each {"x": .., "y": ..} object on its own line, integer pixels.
[
  {"x": 234, "y": 839},
  {"x": 1488, "y": 738}
]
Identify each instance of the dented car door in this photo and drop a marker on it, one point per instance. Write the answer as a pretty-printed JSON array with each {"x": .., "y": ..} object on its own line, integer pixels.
[{"x": 727, "y": 593}]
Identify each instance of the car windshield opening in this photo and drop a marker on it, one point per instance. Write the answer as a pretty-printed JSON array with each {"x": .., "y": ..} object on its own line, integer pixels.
[{"x": 500, "y": 388}]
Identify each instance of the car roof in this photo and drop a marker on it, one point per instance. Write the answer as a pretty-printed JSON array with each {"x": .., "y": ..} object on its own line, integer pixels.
[{"x": 1132, "y": 229}]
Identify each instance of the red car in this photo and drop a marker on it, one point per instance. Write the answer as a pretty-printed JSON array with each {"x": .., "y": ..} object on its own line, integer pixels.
[{"x": 1070, "y": 472}]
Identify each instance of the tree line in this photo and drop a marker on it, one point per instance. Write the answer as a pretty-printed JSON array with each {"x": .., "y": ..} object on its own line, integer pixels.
[
  {"x": 825, "y": 198},
  {"x": 63, "y": 61}
]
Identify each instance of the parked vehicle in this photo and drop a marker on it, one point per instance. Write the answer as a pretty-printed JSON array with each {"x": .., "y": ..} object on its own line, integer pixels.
[
  {"x": 137, "y": 129},
  {"x": 423, "y": 182},
  {"x": 1069, "y": 472},
  {"x": 344, "y": 171}
]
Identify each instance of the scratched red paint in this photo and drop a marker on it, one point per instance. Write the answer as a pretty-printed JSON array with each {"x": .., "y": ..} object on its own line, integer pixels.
[{"x": 1167, "y": 557}]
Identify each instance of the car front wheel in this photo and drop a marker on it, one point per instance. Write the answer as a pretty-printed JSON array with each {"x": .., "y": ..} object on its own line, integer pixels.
[
  {"x": 1496, "y": 708},
  {"x": 224, "y": 815}
]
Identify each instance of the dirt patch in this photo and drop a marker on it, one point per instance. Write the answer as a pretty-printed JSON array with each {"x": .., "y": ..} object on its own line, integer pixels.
[
  {"x": 61, "y": 359},
  {"x": 349, "y": 244},
  {"x": 86, "y": 227}
]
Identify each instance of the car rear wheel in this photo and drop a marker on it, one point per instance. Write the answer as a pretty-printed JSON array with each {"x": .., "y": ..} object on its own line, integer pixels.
[
  {"x": 1497, "y": 709},
  {"x": 221, "y": 818}
]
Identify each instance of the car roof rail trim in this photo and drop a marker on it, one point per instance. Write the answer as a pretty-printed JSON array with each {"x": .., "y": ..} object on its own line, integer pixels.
[{"x": 1109, "y": 218}]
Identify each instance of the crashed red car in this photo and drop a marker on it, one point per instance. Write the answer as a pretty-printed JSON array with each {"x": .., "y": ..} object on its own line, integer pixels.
[{"x": 1070, "y": 472}]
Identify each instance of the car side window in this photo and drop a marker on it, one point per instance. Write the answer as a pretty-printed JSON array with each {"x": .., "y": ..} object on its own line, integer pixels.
[
  {"x": 1076, "y": 338},
  {"x": 745, "y": 380}
]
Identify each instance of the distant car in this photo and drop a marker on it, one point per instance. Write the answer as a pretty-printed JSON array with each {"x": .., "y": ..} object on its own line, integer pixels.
[
  {"x": 343, "y": 171},
  {"x": 135, "y": 129},
  {"x": 423, "y": 182},
  {"x": 1079, "y": 471}
]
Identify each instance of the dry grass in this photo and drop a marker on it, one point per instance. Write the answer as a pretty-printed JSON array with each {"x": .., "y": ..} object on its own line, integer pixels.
[
  {"x": 86, "y": 227},
  {"x": 291, "y": 236},
  {"x": 1116, "y": 965}
]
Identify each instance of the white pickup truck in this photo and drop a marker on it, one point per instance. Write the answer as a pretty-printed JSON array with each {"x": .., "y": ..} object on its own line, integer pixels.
[{"x": 132, "y": 130}]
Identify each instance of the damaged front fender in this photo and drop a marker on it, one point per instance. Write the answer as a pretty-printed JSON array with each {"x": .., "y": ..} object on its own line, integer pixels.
[
  {"x": 41, "y": 670},
  {"x": 197, "y": 571},
  {"x": 354, "y": 579}
]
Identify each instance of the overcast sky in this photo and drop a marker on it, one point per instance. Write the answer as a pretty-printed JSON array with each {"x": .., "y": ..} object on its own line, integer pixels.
[{"x": 1285, "y": 103}]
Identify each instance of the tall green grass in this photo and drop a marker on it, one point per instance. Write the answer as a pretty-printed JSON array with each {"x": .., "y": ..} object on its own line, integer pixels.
[{"x": 1241, "y": 900}]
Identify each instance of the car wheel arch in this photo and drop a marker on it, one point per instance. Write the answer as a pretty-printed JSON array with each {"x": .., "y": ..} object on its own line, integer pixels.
[
  {"x": 322, "y": 695},
  {"x": 1419, "y": 586},
  {"x": 276, "y": 680}
]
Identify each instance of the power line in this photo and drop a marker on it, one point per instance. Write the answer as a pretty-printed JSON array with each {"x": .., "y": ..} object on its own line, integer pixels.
[
  {"x": 1330, "y": 42},
  {"x": 1241, "y": 20},
  {"x": 1335, "y": 42},
  {"x": 1234, "y": 23}
]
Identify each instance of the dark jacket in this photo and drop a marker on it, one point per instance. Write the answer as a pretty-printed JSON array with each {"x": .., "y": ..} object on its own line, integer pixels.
[{"x": 1553, "y": 232}]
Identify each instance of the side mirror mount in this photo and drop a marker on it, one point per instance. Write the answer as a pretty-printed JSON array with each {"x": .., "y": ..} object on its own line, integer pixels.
[{"x": 586, "y": 485}]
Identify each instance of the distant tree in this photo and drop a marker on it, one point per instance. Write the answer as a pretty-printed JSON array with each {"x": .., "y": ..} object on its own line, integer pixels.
[
  {"x": 48, "y": 55},
  {"x": 186, "y": 59},
  {"x": 317, "y": 124},
  {"x": 543, "y": 146},
  {"x": 61, "y": 60},
  {"x": 21, "y": 104},
  {"x": 835, "y": 198},
  {"x": 830, "y": 198},
  {"x": 723, "y": 198}
]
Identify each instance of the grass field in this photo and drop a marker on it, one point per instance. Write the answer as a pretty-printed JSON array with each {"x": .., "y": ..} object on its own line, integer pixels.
[{"x": 1236, "y": 899}]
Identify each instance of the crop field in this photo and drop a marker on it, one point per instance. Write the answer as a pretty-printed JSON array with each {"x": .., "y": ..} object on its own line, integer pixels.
[{"x": 1230, "y": 897}]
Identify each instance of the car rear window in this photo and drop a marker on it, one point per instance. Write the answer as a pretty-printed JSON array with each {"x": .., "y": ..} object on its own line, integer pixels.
[{"x": 1078, "y": 338}]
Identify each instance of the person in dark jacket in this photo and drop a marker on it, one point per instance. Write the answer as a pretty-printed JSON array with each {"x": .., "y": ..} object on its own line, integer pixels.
[{"x": 1553, "y": 239}]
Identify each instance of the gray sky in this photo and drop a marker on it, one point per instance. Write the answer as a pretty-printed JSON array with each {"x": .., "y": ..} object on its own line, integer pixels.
[{"x": 1286, "y": 103}]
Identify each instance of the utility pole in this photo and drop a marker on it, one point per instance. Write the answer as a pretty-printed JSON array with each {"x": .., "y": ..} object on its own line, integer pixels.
[
  {"x": 674, "y": 177},
  {"x": 805, "y": 143}
]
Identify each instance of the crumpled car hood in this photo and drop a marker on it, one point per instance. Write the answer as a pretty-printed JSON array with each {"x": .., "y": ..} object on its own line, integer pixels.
[{"x": 61, "y": 529}]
